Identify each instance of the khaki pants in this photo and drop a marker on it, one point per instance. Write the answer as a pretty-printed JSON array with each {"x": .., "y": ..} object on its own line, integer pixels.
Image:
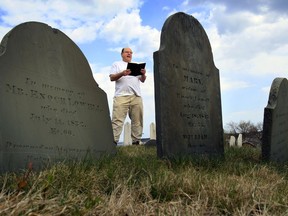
[{"x": 132, "y": 105}]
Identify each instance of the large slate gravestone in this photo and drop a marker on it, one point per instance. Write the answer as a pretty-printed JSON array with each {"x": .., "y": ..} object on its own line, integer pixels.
[
  {"x": 187, "y": 91},
  {"x": 275, "y": 124},
  {"x": 51, "y": 107}
]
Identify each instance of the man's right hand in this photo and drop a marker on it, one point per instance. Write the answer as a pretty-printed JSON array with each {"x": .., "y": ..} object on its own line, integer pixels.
[
  {"x": 126, "y": 72},
  {"x": 115, "y": 77}
]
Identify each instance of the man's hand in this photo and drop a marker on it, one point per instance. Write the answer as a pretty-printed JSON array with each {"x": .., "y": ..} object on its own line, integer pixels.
[
  {"x": 143, "y": 71},
  {"x": 143, "y": 76},
  {"x": 126, "y": 72},
  {"x": 114, "y": 77}
]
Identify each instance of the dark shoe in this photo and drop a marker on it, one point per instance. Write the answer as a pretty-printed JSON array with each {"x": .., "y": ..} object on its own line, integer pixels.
[{"x": 135, "y": 143}]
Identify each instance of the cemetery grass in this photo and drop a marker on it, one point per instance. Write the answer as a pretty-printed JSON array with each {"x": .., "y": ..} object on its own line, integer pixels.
[{"x": 136, "y": 182}]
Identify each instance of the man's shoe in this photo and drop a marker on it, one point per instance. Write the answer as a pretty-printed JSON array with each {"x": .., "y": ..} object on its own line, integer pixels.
[{"x": 135, "y": 143}]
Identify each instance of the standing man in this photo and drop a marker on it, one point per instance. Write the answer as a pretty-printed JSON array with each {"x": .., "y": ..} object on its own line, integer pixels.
[{"x": 127, "y": 98}]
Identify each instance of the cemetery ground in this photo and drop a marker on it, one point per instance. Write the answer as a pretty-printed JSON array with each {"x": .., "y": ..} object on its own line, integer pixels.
[{"x": 136, "y": 182}]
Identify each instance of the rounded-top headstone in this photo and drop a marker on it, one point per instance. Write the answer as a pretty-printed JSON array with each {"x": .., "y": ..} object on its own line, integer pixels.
[
  {"x": 51, "y": 107},
  {"x": 187, "y": 91},
  {"x": 275, "y": 124}
]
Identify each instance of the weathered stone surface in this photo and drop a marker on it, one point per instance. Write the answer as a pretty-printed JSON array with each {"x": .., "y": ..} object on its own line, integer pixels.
[
  {"x": 275, "y": 124},
  {"x": 187, "y": 91},
  {"x": 232, "y": 141},
  {"x": 51, "y": 107}
]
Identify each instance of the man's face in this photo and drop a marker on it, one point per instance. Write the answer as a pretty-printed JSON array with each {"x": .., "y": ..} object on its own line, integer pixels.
[{"x": 127, "y": 55}]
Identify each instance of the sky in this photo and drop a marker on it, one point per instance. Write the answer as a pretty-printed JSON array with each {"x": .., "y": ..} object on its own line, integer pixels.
[{"x": 248, "y": 39}]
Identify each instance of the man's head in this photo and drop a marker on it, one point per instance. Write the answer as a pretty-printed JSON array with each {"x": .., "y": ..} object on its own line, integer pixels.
[{"x": 126, "y": 54}]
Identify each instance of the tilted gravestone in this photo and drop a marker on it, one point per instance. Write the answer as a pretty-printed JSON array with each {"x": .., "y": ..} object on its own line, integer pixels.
[
  {"x": 275, "y": 124},
  {"x": 51, "y": 107},
  {"x": 187, "y": 91}
]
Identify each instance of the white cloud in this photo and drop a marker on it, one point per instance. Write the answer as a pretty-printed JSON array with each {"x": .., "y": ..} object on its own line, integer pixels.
[
  {"x": 246, "y": 44},
  {"x": 228, "y": 84},
  {"x": 123, "y": 27},
  {"x": 126, "y": 28},
  {"x": 84, "y": 33},
  {"x": 273, "y": 64},
  {"x": 79, "y": 21}
]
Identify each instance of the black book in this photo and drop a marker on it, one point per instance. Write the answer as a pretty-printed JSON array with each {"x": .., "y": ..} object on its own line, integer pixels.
[{"x": 135, "y": 68}]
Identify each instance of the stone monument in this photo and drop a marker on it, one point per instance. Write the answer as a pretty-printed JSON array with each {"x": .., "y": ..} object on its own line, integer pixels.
[
  {"x": 51, "y": 107},
  {"x": 152, "y": 131},
  {"x": 232, "y": 141},
  {"x": 127, "y": 134},
  {"x": 275, "y": 124},
  {"x": 239, "y": 140},
  {"x": 187, "y": 91}
]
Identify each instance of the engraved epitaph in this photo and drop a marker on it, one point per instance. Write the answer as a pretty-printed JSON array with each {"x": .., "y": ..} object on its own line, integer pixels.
[
  {"x": 51, "y": 107},
  {"x": 275, "y": 124},
  {"x": 187, "y": 91}
]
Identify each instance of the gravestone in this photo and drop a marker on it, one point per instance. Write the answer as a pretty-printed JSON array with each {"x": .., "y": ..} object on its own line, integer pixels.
[
  {"x": 232, "y": 141},
  {"x": 187, "y": 91},
  {"x": 275, "y": 124},
  {"x": 127, "y": 134},
  {"x": 239, "y": 140},
  {"x": 152, "y": 131},
  {"x": 51, "y": 107}
]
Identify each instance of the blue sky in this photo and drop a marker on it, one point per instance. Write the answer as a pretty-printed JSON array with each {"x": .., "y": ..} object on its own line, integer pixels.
[{"x": 248, "y": 39}]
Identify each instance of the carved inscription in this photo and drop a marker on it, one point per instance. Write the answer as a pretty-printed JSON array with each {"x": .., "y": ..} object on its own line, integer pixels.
[
  {"x": 36, "y": 94},
  {"x": 194, "y": 100},
  {"x": 280, "y": 134},
  {"x": 56, "y": 151},
  {"x": 58, "y": 106}
]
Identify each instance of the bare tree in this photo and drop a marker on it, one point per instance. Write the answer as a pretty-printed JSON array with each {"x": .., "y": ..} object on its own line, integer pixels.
[
  {"x": 250, "y": 131},
  {"x": 259, "y": 126},
  {"x": 243, "y": 127},
  {"x": 231, "y": 127}
]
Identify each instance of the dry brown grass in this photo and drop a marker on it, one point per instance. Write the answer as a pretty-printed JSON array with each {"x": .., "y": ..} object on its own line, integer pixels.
[{"x": 136, "y": 182}]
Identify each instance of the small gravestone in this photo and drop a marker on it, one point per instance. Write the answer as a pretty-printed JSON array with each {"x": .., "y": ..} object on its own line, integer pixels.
[
  {"x": 232, "y": 141},
  {"x": 51, "y": 107},
  {"x": 187, "y": 91},
  {"x": 275, "y": 125},
  {"x": 239, "y": 140},
  {"x": 127, "y": 134},
  {"x": 152, "y": 131}
]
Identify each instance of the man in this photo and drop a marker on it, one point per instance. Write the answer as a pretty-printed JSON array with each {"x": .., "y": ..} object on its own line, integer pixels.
[{"x": 127, "y": 98}]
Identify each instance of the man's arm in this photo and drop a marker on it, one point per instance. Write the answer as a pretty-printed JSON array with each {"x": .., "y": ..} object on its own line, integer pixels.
[
  {"x": 116, "y": 76},
  {"x": 143, "y": 76}
]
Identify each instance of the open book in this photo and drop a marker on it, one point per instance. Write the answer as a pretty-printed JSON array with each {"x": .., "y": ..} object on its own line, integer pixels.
[{"x": 135, "y": 68}]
